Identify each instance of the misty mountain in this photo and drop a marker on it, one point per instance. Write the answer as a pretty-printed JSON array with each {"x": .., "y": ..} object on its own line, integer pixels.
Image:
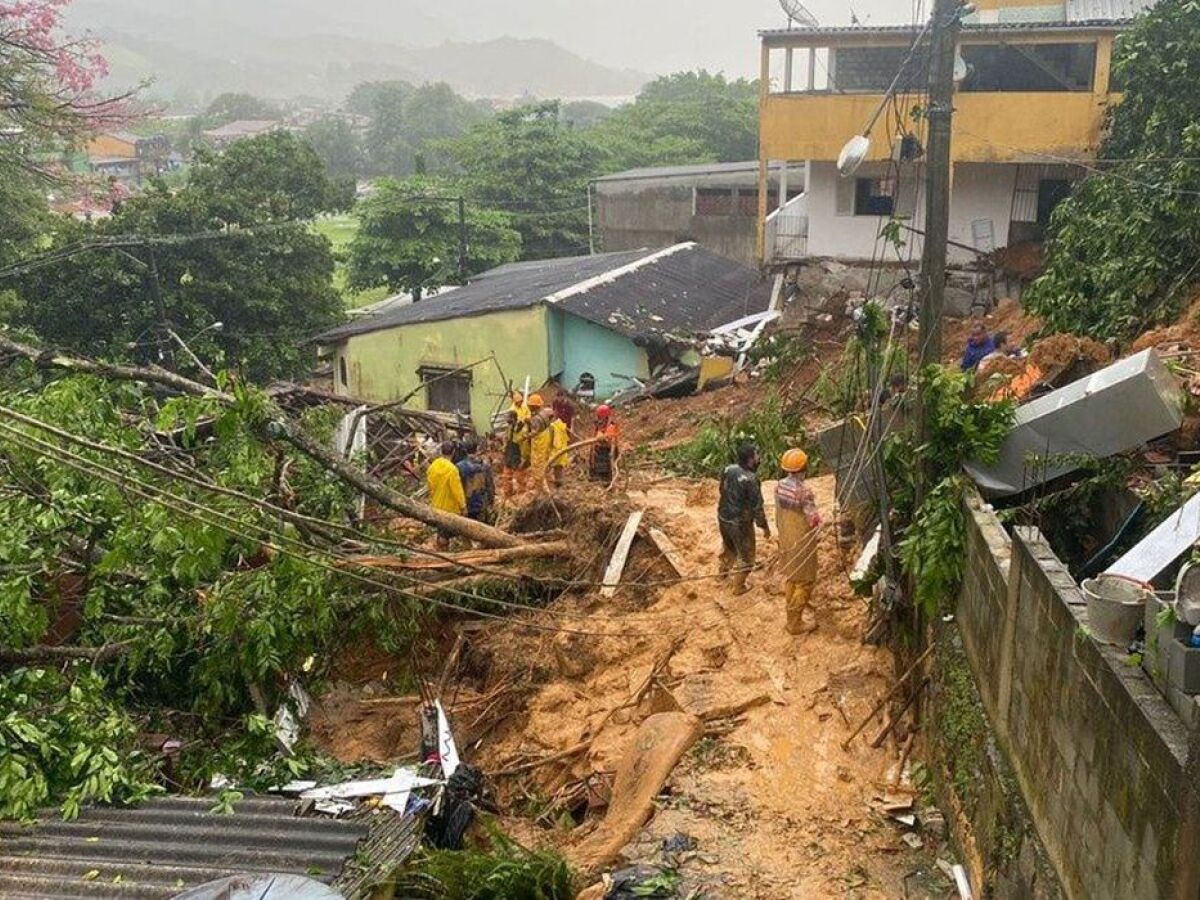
[{"x": 283, "y": 50}]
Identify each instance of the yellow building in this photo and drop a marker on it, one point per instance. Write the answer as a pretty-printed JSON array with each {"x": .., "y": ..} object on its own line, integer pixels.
[{"x": 1034, "y": 88}]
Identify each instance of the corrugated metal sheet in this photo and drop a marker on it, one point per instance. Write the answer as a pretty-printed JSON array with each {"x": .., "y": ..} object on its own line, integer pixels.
[
  {"x": 159, "y": 848},
  {"x": 867, "y": 32},
  {"x": 1091, "y": 10}
]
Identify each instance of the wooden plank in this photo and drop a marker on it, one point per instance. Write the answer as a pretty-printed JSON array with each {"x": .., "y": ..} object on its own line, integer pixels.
[
  {"x": 667, "y": 549},
  {"x": 616, "y": 565}
]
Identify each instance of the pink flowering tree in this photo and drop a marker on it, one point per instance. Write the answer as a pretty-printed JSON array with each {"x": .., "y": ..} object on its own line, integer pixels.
[{"x": 49, "y": 83}]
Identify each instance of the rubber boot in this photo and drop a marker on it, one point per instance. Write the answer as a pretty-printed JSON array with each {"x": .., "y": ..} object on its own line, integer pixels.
[
  {"x": 798, "y": 598},
  {"x": 737, "y": 583}
]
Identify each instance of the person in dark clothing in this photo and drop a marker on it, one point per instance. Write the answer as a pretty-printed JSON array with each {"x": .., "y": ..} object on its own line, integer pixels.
[
  {"x": 739, "y": 509},
  {"x": 564, "y": 409},
  {"x": 979, "y": 345},
  {"x": 479, "y": 482},
  {"x": 606, "y": 450}
]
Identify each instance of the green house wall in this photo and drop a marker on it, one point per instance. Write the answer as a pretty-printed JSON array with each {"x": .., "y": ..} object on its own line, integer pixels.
[{"x": 383, "y": 366}]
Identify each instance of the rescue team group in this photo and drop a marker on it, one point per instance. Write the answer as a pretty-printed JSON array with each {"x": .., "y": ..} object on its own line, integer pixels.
[{"x": 537, "y": 441}]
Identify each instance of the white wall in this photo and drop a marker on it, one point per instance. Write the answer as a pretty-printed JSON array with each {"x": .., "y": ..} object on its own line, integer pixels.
[{"x": 980, "y": 191}]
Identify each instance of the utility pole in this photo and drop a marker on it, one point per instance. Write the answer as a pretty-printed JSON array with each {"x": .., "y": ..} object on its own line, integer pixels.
[
  {"x": 947, "y": 24},
  {"x": 462, "y": 240}
]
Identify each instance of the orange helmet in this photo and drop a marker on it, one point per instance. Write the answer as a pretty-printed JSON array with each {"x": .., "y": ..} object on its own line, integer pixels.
[
  {"x": 535, "y": 401},
  {"x": 795, "y": 460}
]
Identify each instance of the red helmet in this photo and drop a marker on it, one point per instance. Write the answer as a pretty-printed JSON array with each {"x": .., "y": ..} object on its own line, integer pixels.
[{"x": 603, "y": 412}]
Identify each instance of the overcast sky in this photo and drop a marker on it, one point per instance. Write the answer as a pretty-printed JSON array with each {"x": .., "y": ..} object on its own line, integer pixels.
[{"x": 665, "y": 35}]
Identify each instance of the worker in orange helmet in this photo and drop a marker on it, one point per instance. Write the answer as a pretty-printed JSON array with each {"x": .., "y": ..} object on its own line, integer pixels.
[
  {"x": 516, "y": 446},
  {"x": 797, "y": 522},
  {"x": 602, "y": 466},
  {"x": 541, "y": 439}
]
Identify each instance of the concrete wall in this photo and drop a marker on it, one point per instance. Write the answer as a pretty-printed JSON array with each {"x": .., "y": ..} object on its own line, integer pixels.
[
  {"x": 980, "y": 191},
  {"x": 587, "y": 347},
  {"x": 383, "y": 365},
  {"x": 1096, "y": 752},
  {"x": 648, "y": 213}
]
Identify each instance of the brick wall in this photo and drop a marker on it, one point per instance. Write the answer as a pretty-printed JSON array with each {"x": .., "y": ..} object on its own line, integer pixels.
[{"x": 1097, "y": 754}]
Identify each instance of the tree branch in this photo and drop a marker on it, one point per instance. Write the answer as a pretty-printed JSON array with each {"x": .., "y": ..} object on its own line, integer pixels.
[
  {"x": 44, "y": 654},
  {"x": 276, "y": 426}
]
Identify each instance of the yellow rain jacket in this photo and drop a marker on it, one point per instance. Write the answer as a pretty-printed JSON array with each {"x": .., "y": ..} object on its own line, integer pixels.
[
  {"x": 560, "y": 440},
  {"x": 445, "y": 487},
  {"x": 541, "y": 444}
]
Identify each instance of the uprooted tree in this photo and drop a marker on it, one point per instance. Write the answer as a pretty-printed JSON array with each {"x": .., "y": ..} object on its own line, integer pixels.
[{"x": 171, "y": 555}]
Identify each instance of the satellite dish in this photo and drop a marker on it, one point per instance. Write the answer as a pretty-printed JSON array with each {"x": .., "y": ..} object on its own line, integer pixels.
[
  {"x": 853, "y": 154},
  {"x": 798, "y": 13},
  {"x": 961, "y": 69}
]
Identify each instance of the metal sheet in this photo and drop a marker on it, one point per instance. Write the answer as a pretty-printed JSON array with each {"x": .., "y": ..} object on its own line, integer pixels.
[
  {"x": 1161, "y": 547},
  {"x": 166, "y": 845},
  {"x": 1113, "y": 411}
]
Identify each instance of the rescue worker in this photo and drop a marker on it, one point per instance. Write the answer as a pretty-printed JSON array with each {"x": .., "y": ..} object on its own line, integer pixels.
[
  {"x": 796, "y": 522},
  {"x": 541, "y": 439},
  {"x": 602, "y": 464},
  {"x": 479, "y": 484},
  {"x": 560, "y": 440},
  {"x": 739, "y": 509},
  {"x": 516, "y": 446},
  {"x": 445, "y": 489},
  {"x": 565, "y": 410}
]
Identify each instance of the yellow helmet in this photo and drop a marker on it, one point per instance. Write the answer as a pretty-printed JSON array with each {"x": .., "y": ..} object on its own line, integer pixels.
[
  {"x": 535, "y": 401},
  {"x": 795, "y": 460}
]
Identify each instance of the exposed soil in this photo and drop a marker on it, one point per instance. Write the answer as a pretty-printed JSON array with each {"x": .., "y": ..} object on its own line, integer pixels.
[{"x": 776, "y": 806}]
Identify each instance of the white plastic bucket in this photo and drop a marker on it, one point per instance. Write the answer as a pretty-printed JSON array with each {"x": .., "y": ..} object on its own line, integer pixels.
[{"x": 1116, "y": 606}]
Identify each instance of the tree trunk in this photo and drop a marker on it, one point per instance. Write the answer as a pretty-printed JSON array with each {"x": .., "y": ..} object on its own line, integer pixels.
[{"x": 276, "y": 427}]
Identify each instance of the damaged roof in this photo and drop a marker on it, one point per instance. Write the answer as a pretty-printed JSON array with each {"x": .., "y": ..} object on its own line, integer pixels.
[
  {"x": 159, "y": 848},
  {"x": 680, "y": 289}
]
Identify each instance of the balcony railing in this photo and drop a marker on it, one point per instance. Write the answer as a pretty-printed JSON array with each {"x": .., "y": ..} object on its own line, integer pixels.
[{"x": 787, "y": 231}]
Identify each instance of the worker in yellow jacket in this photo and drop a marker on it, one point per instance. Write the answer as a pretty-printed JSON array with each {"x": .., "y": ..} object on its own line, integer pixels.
[
  {"x": 446, "y": 489},
  {"x": 541, "y": 439},
  {"x": 560, "y": 440},
  {"x": 798, "y": 523}
]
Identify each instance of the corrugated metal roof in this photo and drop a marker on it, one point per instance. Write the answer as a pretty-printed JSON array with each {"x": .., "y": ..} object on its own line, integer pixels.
[
  {"x": 686, "y": 288},
  {"x": 1093, "y": 10},
  {"x": 871, "y": 31},
  {"x": 730, "y": 168},
  {"x": 157, "y": 849}
]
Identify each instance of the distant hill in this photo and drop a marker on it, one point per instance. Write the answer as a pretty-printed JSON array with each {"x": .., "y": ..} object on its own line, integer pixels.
[{"x": 212, "y": 46}]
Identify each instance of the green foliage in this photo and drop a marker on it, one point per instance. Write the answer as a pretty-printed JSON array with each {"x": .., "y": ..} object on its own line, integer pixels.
[
  {"x": 268, "y": 280},
  {"x": 408, "y": 243},
  {"x": 208, "y": 610},
  {"x": 772, "y": 425},
  {"x": 698, "y": 115},
  {"x": 1124, "y": 247},
  {"x": 339, "y": 146},
  {"x": 63, "y": 737},
  {"x": 529, "y": 163},
  {"x": 933, "y": 550},
  {"x": 407, "y": 122},
  {"x": 781, "y": 352},
  {"x": 507, "y": 871}
]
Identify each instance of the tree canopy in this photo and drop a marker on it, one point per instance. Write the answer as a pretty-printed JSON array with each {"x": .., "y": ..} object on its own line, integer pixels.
[
  {"x": 407, "y": 242},
  {"x": 231, "y": 247},
  {"x": 1123, "y": 249}
]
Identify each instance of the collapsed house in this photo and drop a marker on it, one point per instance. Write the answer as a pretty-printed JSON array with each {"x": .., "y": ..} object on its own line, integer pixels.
[{"x": 601, "y": 324}]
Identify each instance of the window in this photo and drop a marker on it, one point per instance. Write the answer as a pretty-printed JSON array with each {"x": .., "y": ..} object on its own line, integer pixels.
[
  {"x": 343, "y": 376},
  {"x": 872, "y": 69},
  {"x": 874, "y": 196},
  {"x": 715, "y": 202},
  {"x": 446, "y": 392},
  {"x": 1051, "y": 192},
  {"x": 1029, "y": 67}
]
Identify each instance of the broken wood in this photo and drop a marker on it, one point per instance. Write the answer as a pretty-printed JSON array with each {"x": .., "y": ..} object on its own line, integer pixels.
[
  {"x": 451, "y": 662},
  {"x": 893, "y": 721},
  {"x": 888, "y": 696},
  {"x": 273, "y": 424},
  {"x": 468, "y": 559},
  {"x": 616, "y": 565},
  {"x": 667, "y": 549}
]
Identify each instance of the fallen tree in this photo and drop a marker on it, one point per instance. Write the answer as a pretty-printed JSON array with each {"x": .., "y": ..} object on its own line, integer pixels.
[{"x": 271, "y": 423}]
